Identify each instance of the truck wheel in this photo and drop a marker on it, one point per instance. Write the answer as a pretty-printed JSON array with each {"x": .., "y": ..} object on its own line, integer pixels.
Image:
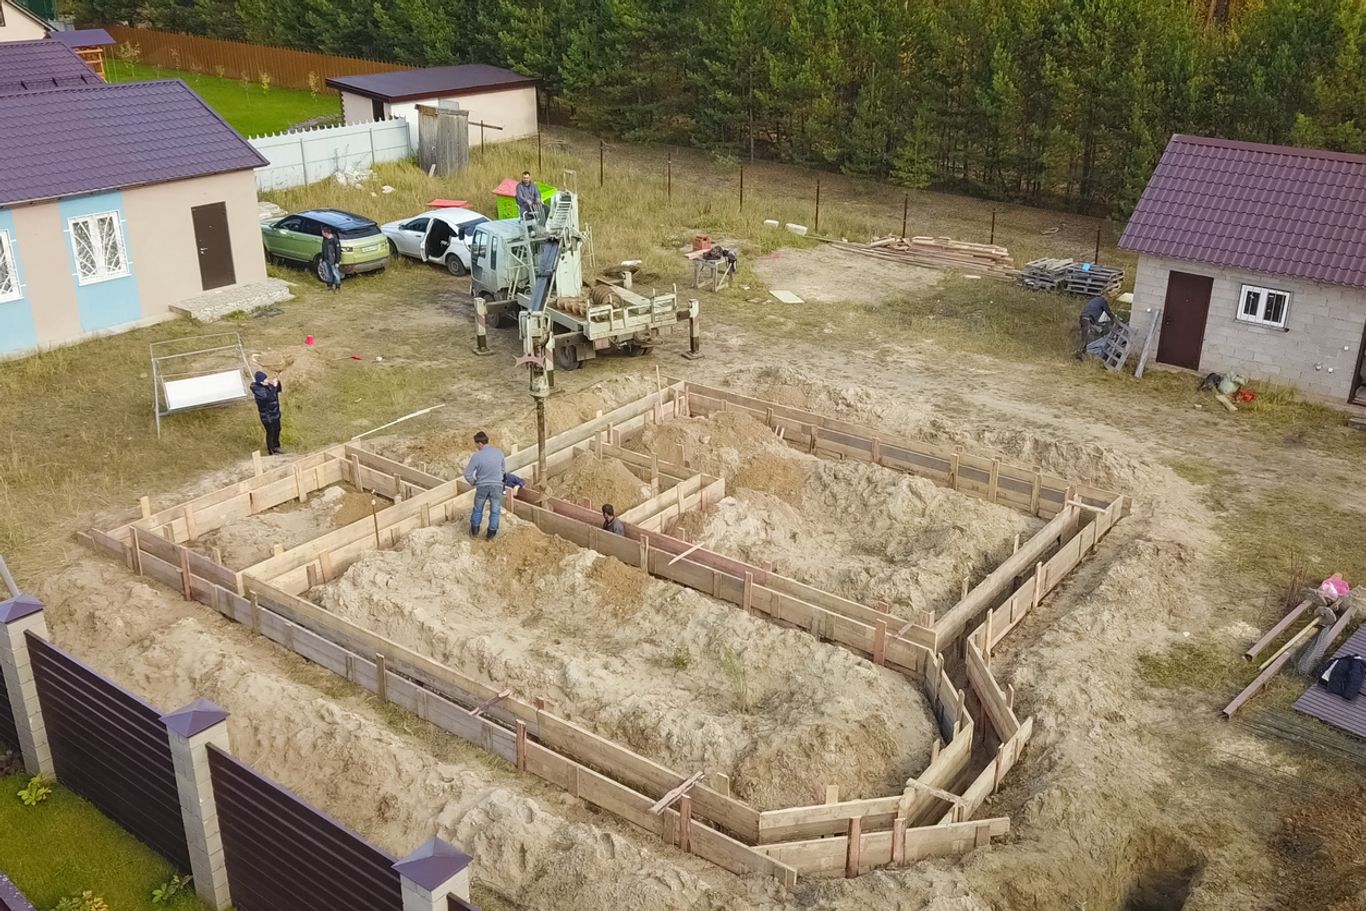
[
  {"x": 566, "y": 357},
  {"x": 455, "y": 266}
]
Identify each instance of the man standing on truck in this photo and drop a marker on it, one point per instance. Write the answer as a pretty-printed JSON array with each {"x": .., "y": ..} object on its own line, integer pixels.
[
  {"x": 484, "y": 472},
  {"x": 528, "y": 196}
]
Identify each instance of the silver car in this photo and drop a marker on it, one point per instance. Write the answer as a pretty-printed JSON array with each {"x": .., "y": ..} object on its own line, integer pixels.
[{"x": 436, "y": 236}]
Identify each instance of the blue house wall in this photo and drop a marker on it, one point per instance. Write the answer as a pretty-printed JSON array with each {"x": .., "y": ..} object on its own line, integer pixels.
[
  {"x": 17, "y": 331},
  {"x": 114, "y": 301}
]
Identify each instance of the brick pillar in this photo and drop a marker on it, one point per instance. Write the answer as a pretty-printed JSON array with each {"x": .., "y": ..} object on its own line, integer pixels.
[
  {"x": 20, "y": 615},
  {"x": 190, "y": 731},
  {"x": 432, "y": 874}
]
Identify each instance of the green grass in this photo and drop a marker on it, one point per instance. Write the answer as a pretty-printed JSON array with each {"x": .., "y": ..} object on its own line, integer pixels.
[
  {"x": 252, "y": 109},
  {"x": 64, "y": 846}
]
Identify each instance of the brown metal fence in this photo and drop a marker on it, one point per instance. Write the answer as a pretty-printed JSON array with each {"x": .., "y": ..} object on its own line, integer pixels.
[
  {"x": 9, "y": 733},
  {"x": 283, "y": 855},
  {"x": 111, "y": 748},
  {"x": 285, "y": 66}
]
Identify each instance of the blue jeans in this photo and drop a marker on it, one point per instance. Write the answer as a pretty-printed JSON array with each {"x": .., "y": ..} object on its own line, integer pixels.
[
  {"x": 334, "y": 273},
  {"x": 493, "y": 496}
]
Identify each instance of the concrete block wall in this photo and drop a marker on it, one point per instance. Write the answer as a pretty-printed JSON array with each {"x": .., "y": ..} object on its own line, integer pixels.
[
  {"x": 312, "y": 155},
  {"x": 1316, "y": 352}
]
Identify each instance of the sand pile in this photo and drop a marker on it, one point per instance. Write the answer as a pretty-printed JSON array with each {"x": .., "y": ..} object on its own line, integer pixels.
[
  {"x": 678, "y": 677},
  {"x": 853, "y": 528},
  {"x": 248, "y": 541},
  {"x": 600, "y": 481}
]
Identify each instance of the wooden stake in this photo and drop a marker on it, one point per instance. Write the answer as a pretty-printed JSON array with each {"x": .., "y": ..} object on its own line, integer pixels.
[
  {"x": 953, "y": 471},
  {"x": 877, "y": 452},
  {"x": 880, "y": 642},
  {"x": 855, "y": 848},
  {"x": 374, "y": 517},
  {"x": 355, "y": 474},
  {"x": 326, "y": 565},
  {"x": 218, "y": 555},
  {"x": 966, "y": 587},
  {"x": 256, "y": 463},
  {"x": 832, "y": 793},
  {"x": 1016, "y": 548},
  {"x": 898, "y": 841},
  {"x": 521, "y": 745},
  {"x": 314, "y": 572},
  {"x": 137, "y": 552},
  {"x": 145, "y": 504},
  {"x": 185, "y": 572},
  {"x": 299, "y": 484},
  {"x": 747, "y": 599},
  {"x": 1038, "y": 584},
  {"x": 425, "y": 514},
  {"x": 685, "y": 823},
  {"x": 255, "y": 614},
  {"x": 277, "y": 548},
  {"x": 1034, "y": 493},
  {"x": 381, "y": 678},
  {"x": 994, "y": 481},
  {"x": 645, "y": 553},
  {"x": 720, "y": 783}
]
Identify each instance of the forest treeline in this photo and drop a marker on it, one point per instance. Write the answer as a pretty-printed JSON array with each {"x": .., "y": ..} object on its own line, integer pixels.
[{"x": 1058, "y": 101}]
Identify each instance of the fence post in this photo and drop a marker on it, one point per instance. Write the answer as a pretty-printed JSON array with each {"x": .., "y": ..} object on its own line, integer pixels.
[
  {"x": 432, "y": 875},
  {"x": 19, "y": 616},
  {"x": 190, "y": 731},
  {"x": 303, "y": 159}
]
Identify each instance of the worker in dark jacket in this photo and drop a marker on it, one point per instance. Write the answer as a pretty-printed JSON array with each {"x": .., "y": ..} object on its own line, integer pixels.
[
  {"x": 332, "y": 259},
  {"x": 1090, "y": 321},
  {"x": 610, "y": 522},
  {"x": 528, "y": 197},
  {"x": 267, "y": 393}
]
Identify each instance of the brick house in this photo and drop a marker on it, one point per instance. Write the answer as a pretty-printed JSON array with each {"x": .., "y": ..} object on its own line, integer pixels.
[
  {"x": 1256, "y": 257},
  {"x": 117, "y": 202}
]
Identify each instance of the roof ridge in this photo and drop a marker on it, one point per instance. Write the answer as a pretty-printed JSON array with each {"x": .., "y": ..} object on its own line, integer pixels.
[{"x": 1270, "y": 148}]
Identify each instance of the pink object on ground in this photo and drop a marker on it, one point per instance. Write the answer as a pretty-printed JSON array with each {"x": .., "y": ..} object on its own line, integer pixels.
[
  {"x": 309, "y": 341},
  {"x": 1332, "y": 589}
]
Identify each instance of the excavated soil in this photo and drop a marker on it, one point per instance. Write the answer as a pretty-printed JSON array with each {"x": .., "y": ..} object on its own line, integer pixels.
[
  {"x": 248, "y": 541},
  {"x": 691, "y": 682},
  {"x": 599, "y": 481},
  {"x": 856, "y": 529}
]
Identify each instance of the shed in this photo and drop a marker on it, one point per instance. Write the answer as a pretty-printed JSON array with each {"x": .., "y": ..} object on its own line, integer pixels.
[
  {"x": 494, "y": 97},
  {"x": 89, "y": 43},
  {"x": 27, "y": 66},
  {"x": 1255, "y": 256}
]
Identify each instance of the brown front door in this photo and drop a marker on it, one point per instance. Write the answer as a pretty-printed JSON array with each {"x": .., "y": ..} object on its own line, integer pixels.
[
  {"x": 215, "y": 247},
  {"x": 1183, "y": 319}
]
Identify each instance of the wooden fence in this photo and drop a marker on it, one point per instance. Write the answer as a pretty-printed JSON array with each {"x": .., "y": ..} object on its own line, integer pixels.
[
  {"x": 9, "y": 734},
  {"x": 286, "y": 67}
]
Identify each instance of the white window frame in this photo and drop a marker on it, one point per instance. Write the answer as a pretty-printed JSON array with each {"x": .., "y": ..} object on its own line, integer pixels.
[
  {"x": 7, "y": 254},
  {"x": 1259, "y": 318},
  {"x": 102, "y": 272}
]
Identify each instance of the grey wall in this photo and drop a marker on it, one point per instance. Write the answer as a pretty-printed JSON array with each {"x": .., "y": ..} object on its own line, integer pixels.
[{"x": 1316, "y": 352}]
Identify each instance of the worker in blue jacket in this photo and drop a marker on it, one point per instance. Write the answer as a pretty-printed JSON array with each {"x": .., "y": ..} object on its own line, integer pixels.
[{"x": 485, "y": 472}]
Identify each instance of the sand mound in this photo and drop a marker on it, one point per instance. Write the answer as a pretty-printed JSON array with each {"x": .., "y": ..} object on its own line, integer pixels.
[
  {"x": 250, "y": 540},
  {"x": 600, "y": 481},
  {"x": 690, "y": 682},
  {"x": 869, "y": 533},
  {"x": 1071, "y": 459}
]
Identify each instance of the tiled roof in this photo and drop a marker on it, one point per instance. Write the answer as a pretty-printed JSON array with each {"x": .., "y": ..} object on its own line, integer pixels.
[
  {"x": 1260, "y": 208},
  {"x": 84, "y": 37},
  {"x": 63, "y": 142},
  {"x": 42, "y": 64},
  {"x": 432, "y": 82}
]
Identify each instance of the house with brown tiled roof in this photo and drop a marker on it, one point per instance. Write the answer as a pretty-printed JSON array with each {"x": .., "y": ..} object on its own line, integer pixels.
[
  {"x": 1255, "y": 258},
  {"x": 117, "y": 202}
]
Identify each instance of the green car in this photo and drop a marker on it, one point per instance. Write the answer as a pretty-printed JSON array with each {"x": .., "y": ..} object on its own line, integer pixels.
[{"x": 298, "y": 238}]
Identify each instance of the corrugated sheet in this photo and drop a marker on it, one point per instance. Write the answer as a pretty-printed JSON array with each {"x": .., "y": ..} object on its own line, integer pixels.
[
  {"x": 9, "y": 734},
  {"x": 283, "y": 855},
  {"x": 27, "y": 66},
  {"x": 1323, "y": 705},
  {"x": 111, "y": 748},
  {"x": 1268, "y": 209},
  {"x": 67, "y": 141}
]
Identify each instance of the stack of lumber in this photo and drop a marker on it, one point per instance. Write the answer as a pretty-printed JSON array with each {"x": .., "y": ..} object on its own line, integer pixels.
[
  {"x": 1072, "y": 277},
  {"x": 938, "y": 253}
]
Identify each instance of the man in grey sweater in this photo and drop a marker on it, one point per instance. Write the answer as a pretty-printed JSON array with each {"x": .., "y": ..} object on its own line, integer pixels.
[
  {"x": 484, "y": 473},
  {"x": 528, "y": 197}
]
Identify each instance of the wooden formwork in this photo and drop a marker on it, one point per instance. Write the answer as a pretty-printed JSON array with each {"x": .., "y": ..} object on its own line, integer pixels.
[{"x": 930, "y": 818}]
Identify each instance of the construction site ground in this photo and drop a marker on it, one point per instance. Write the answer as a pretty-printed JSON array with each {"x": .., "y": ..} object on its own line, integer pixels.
[{"x": 1132, "y": 795}]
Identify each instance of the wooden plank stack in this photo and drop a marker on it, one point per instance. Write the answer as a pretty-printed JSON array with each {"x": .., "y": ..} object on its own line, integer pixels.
[
  {"x": 938, "y": 253},
  {"x": 1071, "y": 277}
]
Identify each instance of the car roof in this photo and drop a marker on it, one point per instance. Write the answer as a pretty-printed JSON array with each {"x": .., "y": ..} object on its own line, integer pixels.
[
  {"x": 452, "y": 214},
  {"x": 336, "y": 218}
]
